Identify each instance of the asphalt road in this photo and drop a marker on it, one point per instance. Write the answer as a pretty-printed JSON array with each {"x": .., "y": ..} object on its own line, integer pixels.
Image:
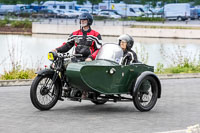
[{"x": 178, "y": 108}]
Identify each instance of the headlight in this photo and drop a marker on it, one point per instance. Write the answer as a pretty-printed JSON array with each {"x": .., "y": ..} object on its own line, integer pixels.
[{"x": 52, "y": 56}]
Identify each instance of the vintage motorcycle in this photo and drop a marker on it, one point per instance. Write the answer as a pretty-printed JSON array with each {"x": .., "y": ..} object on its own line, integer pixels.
[{"x": 99, "y": 81}]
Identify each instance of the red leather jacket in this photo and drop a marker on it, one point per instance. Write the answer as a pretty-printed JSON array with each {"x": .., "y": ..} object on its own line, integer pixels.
[{"x": 86, "y": 43}]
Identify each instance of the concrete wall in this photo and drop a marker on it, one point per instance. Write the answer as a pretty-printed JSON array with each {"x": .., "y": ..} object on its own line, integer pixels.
[{"x": 118, "y": 30}]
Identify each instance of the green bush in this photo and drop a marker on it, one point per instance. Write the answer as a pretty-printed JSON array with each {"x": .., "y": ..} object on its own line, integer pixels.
[
  {"x": 2, "y": 23},
  {"x": 7, "y": 20},
  {"x": 21, "y": 24},
  {"x": 179, "y": 62},
  {"x": 160, "y": 68},
  {"x": 178, "y": 69},
  {"x": 151, "y": 19},
  {"x": 24, "y": 15},
  {"x": 18, "y": 74},
  {"x": 186, "y": 67},
  {"x": 100, "y": 17}
]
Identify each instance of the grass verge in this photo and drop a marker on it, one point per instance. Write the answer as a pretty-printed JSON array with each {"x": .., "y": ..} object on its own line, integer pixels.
[
  {"x": 189, "y": 68},
  {"x": 165, "y": 27},
  {"x": 16, "y": 24},
  {"x": 18, "y": 74}
]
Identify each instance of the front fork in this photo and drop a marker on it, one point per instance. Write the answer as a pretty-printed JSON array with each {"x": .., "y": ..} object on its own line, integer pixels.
[
  {"x": 64, "y": 86},
  {"x": 55, "y": 79}
]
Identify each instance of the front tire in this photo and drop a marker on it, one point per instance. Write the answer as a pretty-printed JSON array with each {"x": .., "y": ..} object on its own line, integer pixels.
[
  {"x": 146, "y": 94},
  {"x": 44, "y": 93}
]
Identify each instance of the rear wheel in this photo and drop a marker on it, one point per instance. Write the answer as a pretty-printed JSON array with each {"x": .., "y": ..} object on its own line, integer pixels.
[
  {"x": 146, "y": 94},
  {"x": 44, "y": 93}
]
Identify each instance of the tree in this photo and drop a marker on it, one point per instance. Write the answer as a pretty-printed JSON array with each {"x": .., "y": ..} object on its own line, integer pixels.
[
  {"x": 131, "y": 1},
  {"x": 117, "y": 1},
  {"x": 8, "y": 1},
  {"x": 81, "y": 2},
  {"x": 197, "y": 2},
  {"x": 143, "y": 2},
  {"x": 39, "y": 1}
]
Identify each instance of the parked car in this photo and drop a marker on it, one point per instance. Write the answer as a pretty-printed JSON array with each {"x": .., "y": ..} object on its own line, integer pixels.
[
  {"x": 193, "y": 13},
  {"x": 198, "y": 13},
  {"x": 83, "y": 10},
  {"x": 37, "y": 8},
  {"x": 46, "y": 13},
  {"x": 95, "y": 12},
  {"x": 26, "y": 9},
  {"x": 6, "y": 9},
  {"x": 148, "y": 11},
  {"x": 72, "y": 14},
  {"x": 114, "y": 11},
  {"x": 109, "y": 14},
  {"x": 60, "y": 13},
  {"x": 180, "y": 11}
]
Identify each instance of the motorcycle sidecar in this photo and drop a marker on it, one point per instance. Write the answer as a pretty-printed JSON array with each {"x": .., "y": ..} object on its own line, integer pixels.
[{"x": 106, "y": 76}]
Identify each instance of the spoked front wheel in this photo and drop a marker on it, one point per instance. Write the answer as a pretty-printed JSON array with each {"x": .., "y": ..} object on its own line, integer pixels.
[
  {"x": 146, "y": 94},
  {"x": 44, "y": 93}
]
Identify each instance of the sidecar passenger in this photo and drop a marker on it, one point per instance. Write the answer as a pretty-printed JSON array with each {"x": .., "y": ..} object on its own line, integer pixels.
[
  {"x": 113, "y": 52},
  {"x": 126, "y": 42}
]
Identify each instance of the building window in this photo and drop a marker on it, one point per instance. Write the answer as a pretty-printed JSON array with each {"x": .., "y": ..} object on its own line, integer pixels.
[
  {"x": 131, "y": 10},
  {"x": 62, "y": 7},
  {"x": 54, "y": 6},
  {"x": 70, "y": 7}
]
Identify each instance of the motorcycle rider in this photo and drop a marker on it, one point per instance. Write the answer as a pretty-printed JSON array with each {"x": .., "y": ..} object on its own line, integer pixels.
[
  {"x": 87, "y": 41},
  {"x": 126, "y": 42}
]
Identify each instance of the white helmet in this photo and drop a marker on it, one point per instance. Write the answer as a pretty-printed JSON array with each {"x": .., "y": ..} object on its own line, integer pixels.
[{"x": 128, "y": 39}]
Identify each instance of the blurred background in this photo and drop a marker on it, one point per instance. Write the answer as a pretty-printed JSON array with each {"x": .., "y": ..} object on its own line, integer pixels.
[{"x": 166, "y": 32}]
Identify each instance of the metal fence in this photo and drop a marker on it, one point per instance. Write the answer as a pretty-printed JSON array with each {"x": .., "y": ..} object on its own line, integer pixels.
[
  {"x": 112, "y": 22},
  {"x": 76, "y": 22}
]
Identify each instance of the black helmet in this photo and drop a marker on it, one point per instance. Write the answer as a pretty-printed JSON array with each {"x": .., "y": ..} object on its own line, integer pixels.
[
  {"x": 128, "y": 39},
  {"x": 86, "y": 16}
]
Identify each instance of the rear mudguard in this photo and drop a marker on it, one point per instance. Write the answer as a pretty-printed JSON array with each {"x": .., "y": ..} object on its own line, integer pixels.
[
  {"x": 139, "y": 79},
  {"x": 51, "y": 72}
]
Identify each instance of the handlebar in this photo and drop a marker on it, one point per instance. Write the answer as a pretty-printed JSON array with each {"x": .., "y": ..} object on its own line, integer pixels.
[{"x": 67, "y": 55}]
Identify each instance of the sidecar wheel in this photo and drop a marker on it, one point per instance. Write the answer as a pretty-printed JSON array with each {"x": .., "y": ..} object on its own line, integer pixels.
[
  {"x": 43, "y": 93},
  {"x": 99, "y": 102},
  {"x": 146, "y": 94}
]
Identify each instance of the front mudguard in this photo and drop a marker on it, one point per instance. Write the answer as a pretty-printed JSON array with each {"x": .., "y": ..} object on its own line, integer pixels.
[
  {"x": 51, "y": 72},
  {"x": 141, "y": 77},
  {"x": 45, "y": 72}
]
